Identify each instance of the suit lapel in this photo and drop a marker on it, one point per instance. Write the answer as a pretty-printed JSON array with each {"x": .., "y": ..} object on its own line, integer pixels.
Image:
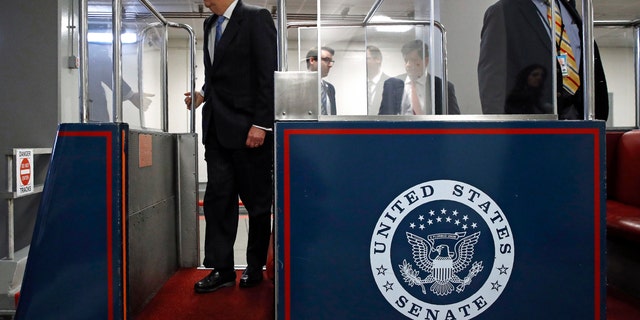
[
  {"x": 208, "y": 23},
  {"x": 230, "y": 31},
  {"x": 530, "y": 14}
]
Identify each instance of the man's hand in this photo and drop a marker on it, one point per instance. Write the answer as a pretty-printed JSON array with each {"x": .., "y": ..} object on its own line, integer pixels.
[
  {"x": 187, "y": 99},
  {"x": 141, "y": 101},
  {"x": 255, "y": 138}
]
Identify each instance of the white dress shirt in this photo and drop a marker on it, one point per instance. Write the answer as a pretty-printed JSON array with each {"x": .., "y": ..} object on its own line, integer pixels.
[{"x": 423, "y": 86}]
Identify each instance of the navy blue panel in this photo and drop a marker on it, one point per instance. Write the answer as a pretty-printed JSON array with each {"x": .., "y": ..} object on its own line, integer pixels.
[
  {"x": 336, "y": 181},
  {"x": 68, "y": 275}
]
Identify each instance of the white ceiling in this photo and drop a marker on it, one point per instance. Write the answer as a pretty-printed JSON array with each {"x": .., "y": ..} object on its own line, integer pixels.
[
  {"x": 603, "y": 9},
  {"x": 191, "y": 12}
]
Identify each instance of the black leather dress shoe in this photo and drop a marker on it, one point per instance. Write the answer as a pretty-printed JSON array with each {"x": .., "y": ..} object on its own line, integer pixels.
[
  {"x": 214, "y": 281},
  {"x": 251, "y": 277}
]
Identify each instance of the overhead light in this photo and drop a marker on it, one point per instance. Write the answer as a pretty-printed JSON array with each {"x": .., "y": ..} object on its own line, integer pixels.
[
  {"x": 104, "y": 37},
  {"x": 390, "y": 27}
]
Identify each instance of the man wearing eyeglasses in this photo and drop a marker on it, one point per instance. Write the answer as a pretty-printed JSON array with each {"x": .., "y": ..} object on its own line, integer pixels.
[{"x": 328, "y": 91}]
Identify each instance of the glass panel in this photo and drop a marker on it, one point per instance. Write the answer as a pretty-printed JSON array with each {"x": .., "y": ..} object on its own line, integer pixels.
[
  {"x": 142, "y": 37},
  {"x": 481, "y": 57},
  {"x": 100, "y": 65},
  {"x": 500, "y": 56},
  {"x": 142, "y": 67},
  {"x": 403, "y": 53},
  {"x": 617, "y": 47},
  {"x": 343, "y": 69}
]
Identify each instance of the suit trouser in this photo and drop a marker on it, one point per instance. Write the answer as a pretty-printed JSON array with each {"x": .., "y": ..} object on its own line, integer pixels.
[{"x": 231, "y": 173}]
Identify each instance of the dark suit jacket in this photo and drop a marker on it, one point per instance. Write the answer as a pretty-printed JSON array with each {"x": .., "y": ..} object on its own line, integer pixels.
[
  {"x": 513, "y": 37},
  {"x": 393, "y": 90},
  {"x": 331, "y": 94},
  {"x": 238, "y": 87}
]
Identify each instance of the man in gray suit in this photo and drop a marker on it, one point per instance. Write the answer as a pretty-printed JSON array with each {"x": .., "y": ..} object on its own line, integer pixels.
[{"x": 516, "y": 35}]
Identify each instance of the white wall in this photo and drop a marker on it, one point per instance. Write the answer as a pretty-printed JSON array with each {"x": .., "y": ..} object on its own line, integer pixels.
[{"x": 618, "y": 67}]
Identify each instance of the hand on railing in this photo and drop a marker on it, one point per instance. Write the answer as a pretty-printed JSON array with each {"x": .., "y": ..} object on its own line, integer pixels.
[{"x": 187, "y": 99}]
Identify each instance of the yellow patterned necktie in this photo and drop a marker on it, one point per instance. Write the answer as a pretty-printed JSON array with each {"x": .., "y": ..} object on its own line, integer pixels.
[{"x": 570, "y": 79}]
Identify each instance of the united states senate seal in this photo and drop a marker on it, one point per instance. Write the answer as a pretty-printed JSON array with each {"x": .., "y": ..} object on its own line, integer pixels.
[{"x": 442, "y": 249}]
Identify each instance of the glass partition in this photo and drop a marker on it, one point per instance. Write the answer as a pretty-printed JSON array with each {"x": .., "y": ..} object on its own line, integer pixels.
[
  {"x": 482, "y": 57},
  {"x": 502, "y": 58},
  {"x": 143, "y": 38},
  {"x": 619, "y": 52}
]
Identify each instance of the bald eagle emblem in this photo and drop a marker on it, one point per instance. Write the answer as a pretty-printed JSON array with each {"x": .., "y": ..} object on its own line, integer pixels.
[{"x": 440, "y": 262}]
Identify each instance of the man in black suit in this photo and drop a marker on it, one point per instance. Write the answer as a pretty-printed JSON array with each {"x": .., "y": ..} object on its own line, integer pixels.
[
  {"x": 516, "y": 35},
  {"x": 240, "y": 58},
  {"x": 327, "y": 90},
  {"x": 410, "y": 93}
]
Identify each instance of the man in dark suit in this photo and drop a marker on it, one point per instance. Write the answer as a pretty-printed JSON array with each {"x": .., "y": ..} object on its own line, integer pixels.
[
  {"x": 410, "y": 93},
  {"x": 327, "y": 90},
  {"x": 516, "y": 35},
  {"x": 240, "y": 58}
]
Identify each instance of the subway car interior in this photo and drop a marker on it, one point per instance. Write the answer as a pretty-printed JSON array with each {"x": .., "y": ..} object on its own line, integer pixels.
[{"x": 485, "y": 188}]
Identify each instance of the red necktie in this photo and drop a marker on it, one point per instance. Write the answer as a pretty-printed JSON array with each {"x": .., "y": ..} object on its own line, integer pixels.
[{"x": 415, "y": 102}]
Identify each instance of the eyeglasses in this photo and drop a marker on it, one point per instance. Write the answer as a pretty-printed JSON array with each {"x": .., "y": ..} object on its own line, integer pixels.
[{"x": 328, "y": 60}]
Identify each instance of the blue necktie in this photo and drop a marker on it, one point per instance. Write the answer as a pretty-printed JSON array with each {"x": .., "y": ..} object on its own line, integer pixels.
[{"x": 219, "y": 28}]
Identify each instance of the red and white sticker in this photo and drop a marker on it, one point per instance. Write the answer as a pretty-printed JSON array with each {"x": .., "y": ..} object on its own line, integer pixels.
[{"x": 24, "y": 171}]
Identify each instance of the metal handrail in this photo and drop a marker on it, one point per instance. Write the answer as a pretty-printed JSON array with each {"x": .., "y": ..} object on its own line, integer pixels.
[
  {"x": 117, "y": 64},
  {"x": 11, "y": 195}
]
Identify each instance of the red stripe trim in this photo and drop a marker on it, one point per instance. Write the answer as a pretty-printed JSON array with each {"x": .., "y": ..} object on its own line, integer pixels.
[
  {"x": 124, "y": 223},
  {"x": 201, "y": 203},
  {"x": 596, "y": 225},
  {"x": 287, "y": 223},
  {"x": 109, "y": 206}
]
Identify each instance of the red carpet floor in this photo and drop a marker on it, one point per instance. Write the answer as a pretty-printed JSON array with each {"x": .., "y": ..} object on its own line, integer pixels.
[{"x": 176, "y": 300}]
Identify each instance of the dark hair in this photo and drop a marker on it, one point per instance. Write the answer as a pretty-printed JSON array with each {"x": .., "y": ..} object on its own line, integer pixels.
[
  {"x": 313, "y": 53},
  {"x": 421, "y": 47},
  {"x": 523, "y": 76},
  {"x": 375, "y": 52},
  {"x": 525, "y": 99}
]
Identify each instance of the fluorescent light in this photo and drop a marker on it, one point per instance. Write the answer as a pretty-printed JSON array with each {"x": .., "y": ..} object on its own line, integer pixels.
[
  {"x": 103, "y": 37},
  {"x": 390, "y": 27}
]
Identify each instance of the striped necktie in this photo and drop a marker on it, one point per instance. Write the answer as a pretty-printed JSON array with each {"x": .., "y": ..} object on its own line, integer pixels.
[
  {"x": 324, "y": 103},
  {"x": 570, "y": 79}
]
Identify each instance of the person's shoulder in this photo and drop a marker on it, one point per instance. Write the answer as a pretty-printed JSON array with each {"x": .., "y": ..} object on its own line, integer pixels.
[
  {"x": 506, "y": 4},
  {"x": 208, "y": 19},
  {"x": 396, "y": 79},
  {"x": 254, "y": 9},
  {"x": 254, "y": 12}
]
